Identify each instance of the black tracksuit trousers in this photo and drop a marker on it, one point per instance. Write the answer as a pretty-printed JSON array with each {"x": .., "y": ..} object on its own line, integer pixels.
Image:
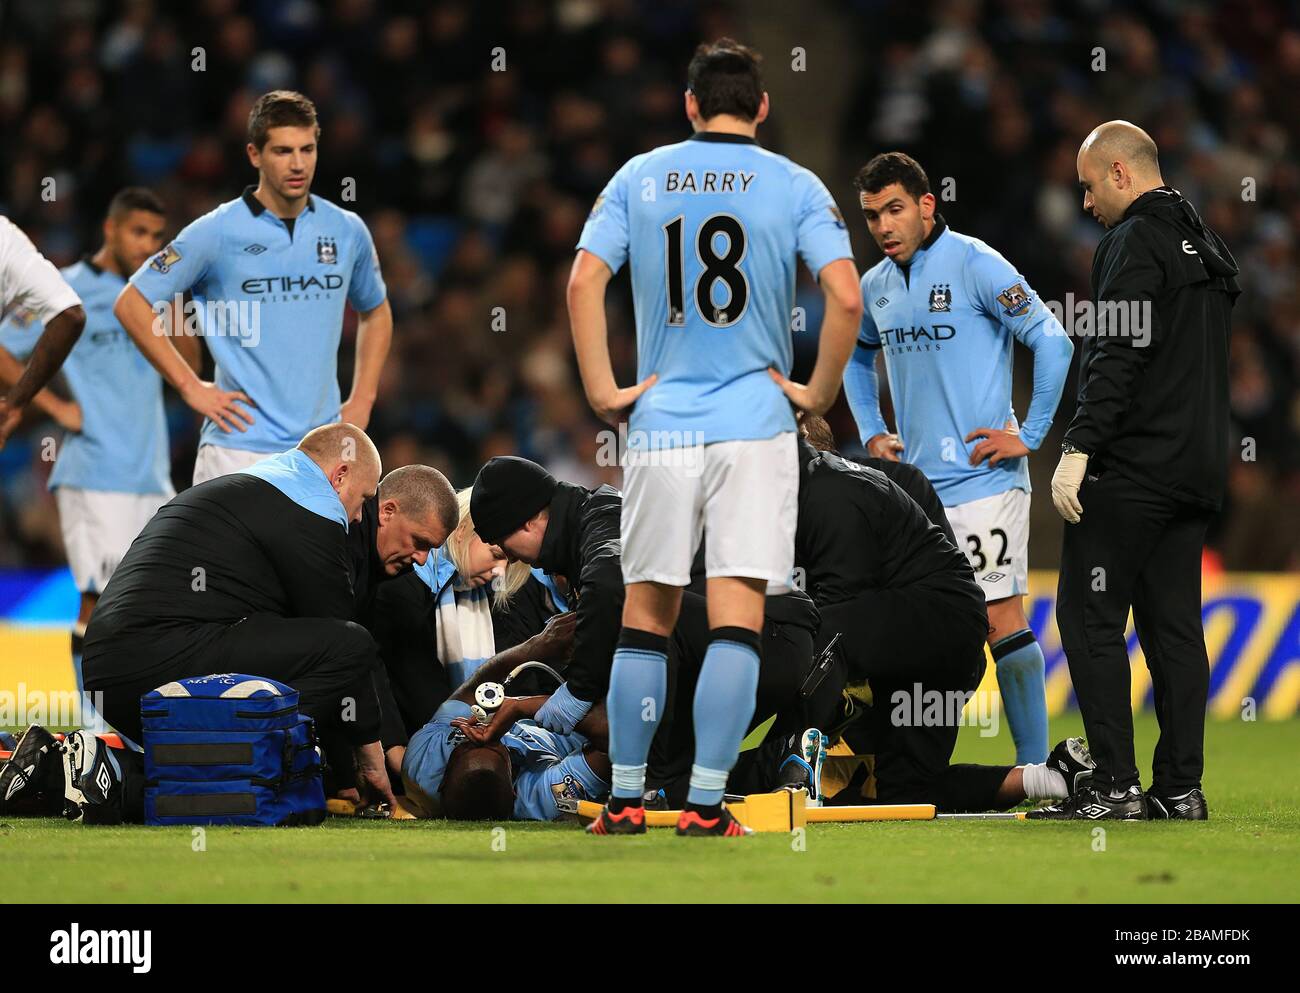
[
  {"x": 1136, "y": 548},
  {"x": 329, "y": 662},
  {"x": 900, "y": 639}
]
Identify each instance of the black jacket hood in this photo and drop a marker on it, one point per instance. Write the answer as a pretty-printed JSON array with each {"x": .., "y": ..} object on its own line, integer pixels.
[{"x": 1172, "y": 207}]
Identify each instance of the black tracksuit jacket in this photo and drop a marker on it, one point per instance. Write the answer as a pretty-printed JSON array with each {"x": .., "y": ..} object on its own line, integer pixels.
[
  {"x": 1158, "y": 414},
  {"x": 259, "y": 553},
  {"x": 583, "y": 545},
  {"x": 859, "y": 532}
]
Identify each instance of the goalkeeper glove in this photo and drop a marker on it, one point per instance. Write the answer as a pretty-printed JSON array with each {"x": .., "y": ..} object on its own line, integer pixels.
[{"x": 1066, "y": 482}]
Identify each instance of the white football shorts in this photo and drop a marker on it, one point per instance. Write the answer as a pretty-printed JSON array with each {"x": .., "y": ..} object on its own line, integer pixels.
[
  {"x": 742, "y": 495},
  {"x": 994, "y": 534},
  {"x": 214, "y": 461},
  {"x": 98, "y": 527}
]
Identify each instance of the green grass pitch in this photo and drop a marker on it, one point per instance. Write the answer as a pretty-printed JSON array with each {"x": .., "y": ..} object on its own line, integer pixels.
[{"x": 1250, "y": 851}]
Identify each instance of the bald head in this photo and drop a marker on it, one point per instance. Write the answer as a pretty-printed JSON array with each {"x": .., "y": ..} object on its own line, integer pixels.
[
  {"x": 1120, "y": 141},
  {"x": 329, "y": 443},
  {"x": 349, "y": 460},
  {"x": 1117, "y": 163}
]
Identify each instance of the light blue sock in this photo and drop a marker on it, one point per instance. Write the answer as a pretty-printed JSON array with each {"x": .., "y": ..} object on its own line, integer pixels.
[
  {"x": 724, "y": 704},
  {"x": 638, "y": 684},
  {"x": 1019, "y": 661}
]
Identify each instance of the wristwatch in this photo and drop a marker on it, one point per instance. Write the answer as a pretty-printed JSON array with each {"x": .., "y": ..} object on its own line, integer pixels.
[{"x": 1068, "y": 449}]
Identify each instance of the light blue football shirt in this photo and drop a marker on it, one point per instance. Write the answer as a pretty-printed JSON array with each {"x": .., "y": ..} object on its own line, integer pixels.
[
  {"x": 546, "y": 766},
  {"x": 269, "y": 301},
  {"x": 122, "y": 446},
  {"x": 946, "y": 323},
  {"x": 712, "y": 227}
]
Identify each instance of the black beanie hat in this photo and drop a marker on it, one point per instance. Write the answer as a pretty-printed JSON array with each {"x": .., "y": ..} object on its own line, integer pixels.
[{"x": 507, "y": 492}]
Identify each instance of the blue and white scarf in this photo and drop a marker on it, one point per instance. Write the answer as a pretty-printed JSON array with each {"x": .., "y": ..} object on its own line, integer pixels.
[{"x": 464, "y": 619}]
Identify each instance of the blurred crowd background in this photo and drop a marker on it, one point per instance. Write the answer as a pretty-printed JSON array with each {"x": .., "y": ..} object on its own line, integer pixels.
[{"x": 477, "y": 134}]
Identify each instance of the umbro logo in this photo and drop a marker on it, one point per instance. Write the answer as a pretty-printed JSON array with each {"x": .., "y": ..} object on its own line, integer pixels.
[
  {"x": 104, "y": 780},
  {"x": 18, "y": 782},
  {"x": 255, "y": 249},
  {"x": 992, "y": 577},
  {"x": 1094, "y": 811},
  {"x": 882, "y": 301}
]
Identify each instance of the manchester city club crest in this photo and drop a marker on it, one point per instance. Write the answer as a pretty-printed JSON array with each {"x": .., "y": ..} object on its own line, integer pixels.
[
  {"x": 940, "y": 299},
  {"x": 326, "y": 253}
]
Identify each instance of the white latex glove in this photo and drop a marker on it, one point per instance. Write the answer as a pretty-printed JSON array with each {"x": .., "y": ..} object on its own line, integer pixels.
[{"x": 1065, "y": 485}]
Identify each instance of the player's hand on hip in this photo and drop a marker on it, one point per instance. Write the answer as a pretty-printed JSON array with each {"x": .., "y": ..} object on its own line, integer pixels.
[
  {"x": 1065, "y": 485},
  {"x": 611, "y": 407},
  {"x": 997, "y": 445},
  {"x": 9, "y": 418},
  {"x": 356, "y": 412},
  {"x": 221, "y": 407},
  {"x": 802, "y": 396},
  {"x": 885, "y": 446},
  {"x": 67, "y": 415}
]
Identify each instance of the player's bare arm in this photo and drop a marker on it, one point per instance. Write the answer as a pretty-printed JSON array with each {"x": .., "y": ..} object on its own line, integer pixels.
[
  {"x": 220, "y": 406},
  {"x": 553, "y": 643},
  {"x": 586, "y": 298},
  {"x": 63, "y": 412},
  {"x": 56, "y": 341},
  {"x": 839, "y": 283},
  {"x": 374, "y": 337},
  {"x": 187, "y": 344},
  {"x": 513, "y": 708},
  {"x": 595, "y": 726}
]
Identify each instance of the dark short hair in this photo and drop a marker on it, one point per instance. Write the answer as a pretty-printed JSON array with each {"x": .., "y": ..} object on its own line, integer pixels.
[
  {"x": 135, "y": 198},
  {"x": 724, "y": 76},
  {"x": 818, "y": 431},
  {"x": 893, "y": 167},
  {"x": 280, "y": 109},
  {"x": 475, "y": 788},
  {"x": 421, "y": 491}
]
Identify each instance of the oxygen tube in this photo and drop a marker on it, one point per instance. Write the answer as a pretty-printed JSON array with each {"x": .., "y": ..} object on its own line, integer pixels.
[{"x": 489, "y": 696}]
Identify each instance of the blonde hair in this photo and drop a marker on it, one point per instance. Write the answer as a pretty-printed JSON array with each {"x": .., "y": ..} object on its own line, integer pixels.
[{"x": 457, "y": 546}]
